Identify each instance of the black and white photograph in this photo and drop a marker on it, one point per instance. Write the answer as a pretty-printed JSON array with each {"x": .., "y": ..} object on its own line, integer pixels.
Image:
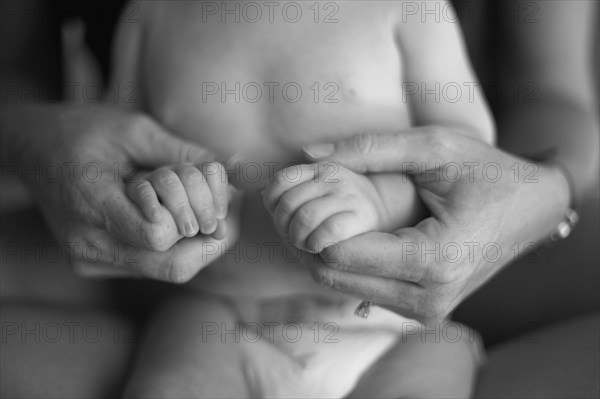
[{"x": 299, "y": 199}]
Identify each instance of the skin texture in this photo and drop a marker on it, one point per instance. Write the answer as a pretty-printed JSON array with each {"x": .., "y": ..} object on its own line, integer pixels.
[
  {"x": 173, "y": 52},
  {"x": 197, "y": 197},
  {"x": 323, "y": 208},
  {"x": 393, "y": 269},
  {"x": 520, "y": 128},
  {"x": 81, "y": 209},
  {"x": 515, "y": 211},
  {"x": 368, "y": 94}
]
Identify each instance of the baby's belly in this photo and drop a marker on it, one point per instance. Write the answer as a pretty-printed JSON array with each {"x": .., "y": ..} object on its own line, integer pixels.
[
  {"x": 263, "y": 140},
  {"x": 261, "y": 92}
]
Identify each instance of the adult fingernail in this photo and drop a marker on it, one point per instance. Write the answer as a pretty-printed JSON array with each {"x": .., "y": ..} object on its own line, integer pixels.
[
  {"x": 319, "y": 150},
  {"x": 191, "y": 228}
]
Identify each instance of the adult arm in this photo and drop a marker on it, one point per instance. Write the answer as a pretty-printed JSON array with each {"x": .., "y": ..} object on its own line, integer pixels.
[
  {"x": 482, "y": 220},
  {"x": 548, "y": 56}
]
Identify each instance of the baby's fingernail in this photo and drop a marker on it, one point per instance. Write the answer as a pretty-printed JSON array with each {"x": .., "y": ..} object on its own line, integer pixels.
[
  {"x": 209, "y": 227},
  {"x": 191, "y": 228},
  {"x": 319, "y": 150}
]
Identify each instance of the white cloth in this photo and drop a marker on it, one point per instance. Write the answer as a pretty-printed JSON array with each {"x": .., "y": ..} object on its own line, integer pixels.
[{"x": 311, "y": 348}]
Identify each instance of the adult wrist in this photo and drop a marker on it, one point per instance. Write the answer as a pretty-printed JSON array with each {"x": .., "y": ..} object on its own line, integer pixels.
[
  {"x": 571, "y": 217},
  {"x": 563, "y": 229},
  {"x": 567, "y": 200}
]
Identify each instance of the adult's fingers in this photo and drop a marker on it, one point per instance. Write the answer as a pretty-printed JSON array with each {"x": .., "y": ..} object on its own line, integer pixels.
[
  {"x": 124, "y": 221},
  {"x": 188, "y": 256},
  {"x": 391, "y": 256},
  {"x": 403, "y": 297},
  {"x": 404, "y": 151},
  {"x": 151, "y": 146},
  {"x": 95, "y": 253},
  {"x": 103, "y": 270},
  {"x": 78, "y": 61}
]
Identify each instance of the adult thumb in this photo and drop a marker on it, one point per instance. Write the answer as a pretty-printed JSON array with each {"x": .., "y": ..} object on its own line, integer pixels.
[
  {"x": 156, "y": 147},
  {"x": 402, "y": 151},
  {"x": 366, "y": 152}
]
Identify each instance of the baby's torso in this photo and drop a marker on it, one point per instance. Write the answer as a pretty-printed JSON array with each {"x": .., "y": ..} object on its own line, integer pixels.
[{"x": 303, "y": 72}]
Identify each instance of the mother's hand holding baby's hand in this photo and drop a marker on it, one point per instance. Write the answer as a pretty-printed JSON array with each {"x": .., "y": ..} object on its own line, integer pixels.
[
  {"x": 486, "y": 207},
  {"x": 97, "y": 149}
]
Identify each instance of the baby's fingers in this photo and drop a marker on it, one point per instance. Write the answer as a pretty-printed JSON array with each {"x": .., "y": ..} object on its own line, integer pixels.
[
  {"x": 309, "y": 217},
  {"x": 142, "y": 193},
  {"x": 297, "y": 200},
  {"x": 285, "y": 180},
  {"x": 199, "y": 196},
  {"x": 173, "y": 195},
  {"x": 216, "y": 177},
  {"x": 336, "y": 228}
]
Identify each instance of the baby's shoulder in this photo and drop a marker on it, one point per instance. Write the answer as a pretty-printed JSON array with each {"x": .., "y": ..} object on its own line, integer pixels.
[
  {"x": 423, "y": 16},
  {"x": 414, "y": 21}
]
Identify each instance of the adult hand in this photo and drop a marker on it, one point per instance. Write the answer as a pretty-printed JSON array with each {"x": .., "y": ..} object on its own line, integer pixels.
[
  {"x": 83, "y": 156},
  {"x": 486, "y": 207}
]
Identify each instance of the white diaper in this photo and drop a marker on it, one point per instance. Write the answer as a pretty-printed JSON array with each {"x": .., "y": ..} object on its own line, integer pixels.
[{"x": 314, "y": 347}]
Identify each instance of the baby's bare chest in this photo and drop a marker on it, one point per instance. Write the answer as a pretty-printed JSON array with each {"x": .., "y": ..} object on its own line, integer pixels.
[{"x": 267, "y": 88}]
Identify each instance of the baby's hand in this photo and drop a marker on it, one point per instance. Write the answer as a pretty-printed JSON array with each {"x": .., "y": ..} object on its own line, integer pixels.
[
  {"x": 197, "y": 197},
  {"x": 317, "y": 205}
]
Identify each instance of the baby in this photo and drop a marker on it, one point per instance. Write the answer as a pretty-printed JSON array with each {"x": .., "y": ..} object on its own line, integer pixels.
[{"x": 255, "y": 82}]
